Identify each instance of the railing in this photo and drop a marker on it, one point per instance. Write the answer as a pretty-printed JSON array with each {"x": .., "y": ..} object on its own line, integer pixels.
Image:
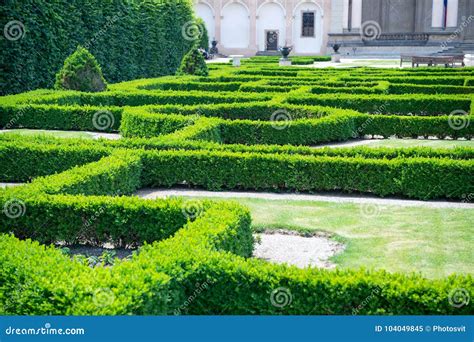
[{"x": 404, "y": 36}]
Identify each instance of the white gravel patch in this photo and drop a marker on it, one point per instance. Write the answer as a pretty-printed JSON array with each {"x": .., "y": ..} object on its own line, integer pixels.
[
  {"x": 288, "y": 247},
  {"x": 9, "y": 185},
  {"x": 54, "y": 133}
]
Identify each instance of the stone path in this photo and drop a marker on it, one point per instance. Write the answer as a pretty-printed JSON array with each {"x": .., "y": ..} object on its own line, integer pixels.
[
  {"x": 320, "y": 197},
  {"x": 9, "y": 185},
  {"x": 149, "y": 193},
  {"x": 66, "y": 134}
]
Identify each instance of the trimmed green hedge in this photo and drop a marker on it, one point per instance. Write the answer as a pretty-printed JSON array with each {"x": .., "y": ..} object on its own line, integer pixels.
[
  {"x": 143, "y": 98},
  {"x": 117, "y": 174},
  {"x": 413, "y": 126},
  {"x": 388, "y": 104},
  {"x": 226, "y": 170},
  {"x": 39, "y": 280},
  {"x": 61, "y": 117},
  {"x": 23, "y": 161},
  {"x": 113, "y": 31},
  {"x": 287, "y": 131},
  {"x": 137, "y": 123}
]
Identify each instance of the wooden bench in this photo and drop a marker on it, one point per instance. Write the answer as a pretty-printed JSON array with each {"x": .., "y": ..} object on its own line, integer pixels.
[
  {"x": 405, "y": 58},
  {"x": 432, "y": 60}
]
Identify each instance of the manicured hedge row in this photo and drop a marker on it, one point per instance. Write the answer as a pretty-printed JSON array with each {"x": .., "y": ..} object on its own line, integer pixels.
[
  {"x": 144, "y": 97},
  {"x": 130, "y": 39},
  {"x": 387, "y": 104},
  {"x": 139, "y": 123},
  {"x": 203, "y": 129},
  {"x": 264, "y": 111},
  {"x": 122, "y": 221},
  {"x": 39, "y": 280},
  {"x": 259, "y": 87},
  {"x": 380, "y": 88},
  {"x": 428, "y": 79},
  {"x": 61, "y": 117},
  {"x": 460, "y": 153},
  {"x": 415, "y": 126},
  {"x": 23, "y": 161},
  {"x": 298, "y": 132},
  {"x": 190, "y": 86},
  {"x": 117, "y": 174},
  {"x": 400, "y": 88},
  {"x": 177, "y": 141},
  {"x": 284, "y": 129},
  {"x": 225, "y": 170},
  {"x": 125, "y": 221}
]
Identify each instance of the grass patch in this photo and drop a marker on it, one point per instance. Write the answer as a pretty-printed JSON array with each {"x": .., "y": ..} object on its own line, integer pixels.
[{"x": 434, "y": 241}]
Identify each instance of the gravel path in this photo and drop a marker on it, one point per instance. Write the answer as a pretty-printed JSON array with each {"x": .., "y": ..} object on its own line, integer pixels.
[
  {"x": 61, "y": 134},
  {"x": 287, "y": 247},
  {"x": 321, "y": 197},
  {"x": 350, "y": 143},
  {"x": 9, "y": 185}
]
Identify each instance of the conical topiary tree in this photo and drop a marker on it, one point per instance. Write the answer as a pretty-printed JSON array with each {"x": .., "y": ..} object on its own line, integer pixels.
[
  {"x": 193, "y": 63},
  {"x": 81, "y": 72}
]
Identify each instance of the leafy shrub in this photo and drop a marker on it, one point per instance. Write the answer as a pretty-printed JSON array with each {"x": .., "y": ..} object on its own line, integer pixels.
[
  {"x": 81, "y": 72},
  {"x": 193, "y": 63}
]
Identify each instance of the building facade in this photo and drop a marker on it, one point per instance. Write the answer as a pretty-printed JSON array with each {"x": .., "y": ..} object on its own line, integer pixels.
[{"x": 362, "y": 27}]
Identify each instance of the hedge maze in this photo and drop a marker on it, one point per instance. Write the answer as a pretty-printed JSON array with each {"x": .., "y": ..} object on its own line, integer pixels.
[{"x": 251, "y": 128}]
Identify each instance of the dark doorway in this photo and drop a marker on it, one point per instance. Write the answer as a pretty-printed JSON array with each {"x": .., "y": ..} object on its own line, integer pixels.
[{"x": 271, "y": 40}]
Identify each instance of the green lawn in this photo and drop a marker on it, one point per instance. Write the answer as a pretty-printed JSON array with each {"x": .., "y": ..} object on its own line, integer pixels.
[
  {"x": 58, "y": 134},
  {"x": 421, "y": 142},
  {"x": 435, "y": 242}
]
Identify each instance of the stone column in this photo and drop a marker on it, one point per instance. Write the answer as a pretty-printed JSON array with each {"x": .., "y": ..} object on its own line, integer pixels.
[
  {"x": 437, "y": 14},
  {"x": 345, "y": 16},
  {"x": 452, "y": 20},
  {"x": 217, "y": 20},
  {"x": 289, "y": 7},
  {"x": 356, "y": 15},
  {"x": 253, "y": 25}
]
